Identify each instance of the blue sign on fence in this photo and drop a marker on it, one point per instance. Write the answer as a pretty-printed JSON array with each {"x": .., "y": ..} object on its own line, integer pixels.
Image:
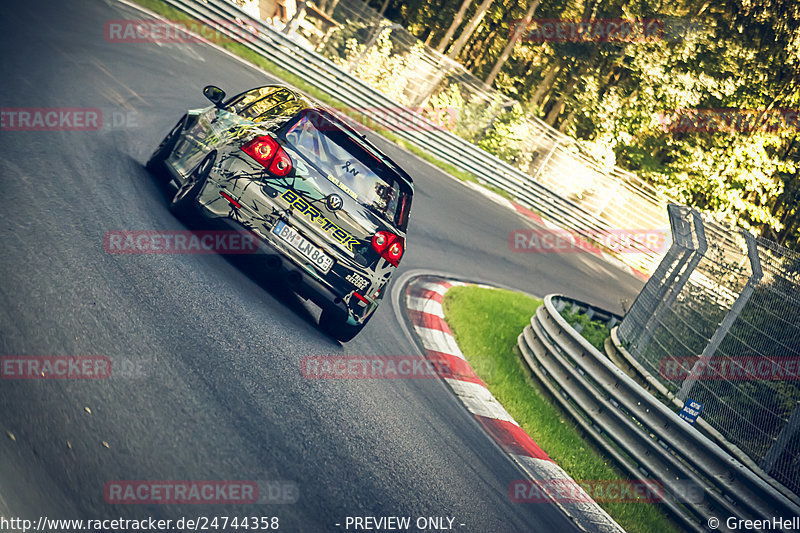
[{"x": 691, "y": 410}]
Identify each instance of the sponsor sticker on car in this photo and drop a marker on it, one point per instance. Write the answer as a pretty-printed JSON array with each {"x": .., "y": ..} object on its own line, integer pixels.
[{"x": 357, "y": 280}]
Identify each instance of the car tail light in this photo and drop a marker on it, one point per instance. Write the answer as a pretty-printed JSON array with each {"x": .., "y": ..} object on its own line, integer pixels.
[
  {"x": 389, "y": 246},
  {"x": 270, "y": 154}
]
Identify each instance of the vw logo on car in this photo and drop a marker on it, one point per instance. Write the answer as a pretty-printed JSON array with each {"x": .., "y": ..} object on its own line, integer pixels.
[{"x": 334, "y": 202}]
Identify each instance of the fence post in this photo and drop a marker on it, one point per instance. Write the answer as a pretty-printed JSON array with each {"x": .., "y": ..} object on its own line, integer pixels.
[
  {"x": 547, "y": 159},
  {"x": 679, "y": 262},
  {"x": 727, "y": 322}
]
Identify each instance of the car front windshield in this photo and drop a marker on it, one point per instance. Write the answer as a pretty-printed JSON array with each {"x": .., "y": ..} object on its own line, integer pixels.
[{"x": 357, "y": 172}]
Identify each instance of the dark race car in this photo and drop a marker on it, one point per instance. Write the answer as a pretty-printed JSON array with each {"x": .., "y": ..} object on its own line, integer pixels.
[{"x": 329, "y": 209}]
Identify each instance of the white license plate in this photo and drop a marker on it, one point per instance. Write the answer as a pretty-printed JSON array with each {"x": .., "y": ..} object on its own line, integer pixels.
[{"x": 299, "y": 243}]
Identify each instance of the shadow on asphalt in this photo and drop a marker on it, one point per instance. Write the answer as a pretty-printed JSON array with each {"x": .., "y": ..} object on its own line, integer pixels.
[{"x": 254, "y": 267}]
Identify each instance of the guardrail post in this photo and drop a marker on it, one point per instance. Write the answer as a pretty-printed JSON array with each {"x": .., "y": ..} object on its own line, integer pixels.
[{"x": 727, "y": 322}]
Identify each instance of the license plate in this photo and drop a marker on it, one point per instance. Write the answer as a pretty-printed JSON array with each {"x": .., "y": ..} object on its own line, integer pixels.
[{"x": 299, "y": 243}]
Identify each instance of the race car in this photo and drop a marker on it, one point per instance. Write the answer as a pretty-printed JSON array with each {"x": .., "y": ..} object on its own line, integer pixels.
[{"x": 329, "y": 210}]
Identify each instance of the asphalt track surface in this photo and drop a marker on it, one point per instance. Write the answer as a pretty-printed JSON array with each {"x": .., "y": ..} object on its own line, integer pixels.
[{"x": 223, "y": 397}]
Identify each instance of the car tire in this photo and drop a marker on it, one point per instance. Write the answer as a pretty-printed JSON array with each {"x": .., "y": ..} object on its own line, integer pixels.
[
  {"x": 334, "y": 323},
  {"x": 155, "y": 165},
  {"x": 184, "y": 202}
]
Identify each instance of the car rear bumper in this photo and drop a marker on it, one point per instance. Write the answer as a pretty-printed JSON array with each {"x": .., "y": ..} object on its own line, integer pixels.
[{"x": 276, "y": 258}]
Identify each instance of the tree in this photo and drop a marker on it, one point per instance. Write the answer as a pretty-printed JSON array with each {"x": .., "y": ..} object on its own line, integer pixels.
[
  {"x": 469, "y": 29},
  {"x": 518, "y": 31},
  {"x": 713, "y": 54},
  {"x": 459, "y": 18},
  {"x": 294, "y": 22}
]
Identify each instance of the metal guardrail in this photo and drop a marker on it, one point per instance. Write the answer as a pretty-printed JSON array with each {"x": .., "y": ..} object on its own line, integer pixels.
[
  {"x": 619, "y": 355},
  {"x": 642, "y": 435},
  {"x": 325, "y": 75}
]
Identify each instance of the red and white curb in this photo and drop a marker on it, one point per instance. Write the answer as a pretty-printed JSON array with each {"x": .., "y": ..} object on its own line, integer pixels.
[{"x": 423, "y": 302}]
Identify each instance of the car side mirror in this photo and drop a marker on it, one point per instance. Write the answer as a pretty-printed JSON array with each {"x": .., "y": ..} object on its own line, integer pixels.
[{"x": 215, "y": 94}]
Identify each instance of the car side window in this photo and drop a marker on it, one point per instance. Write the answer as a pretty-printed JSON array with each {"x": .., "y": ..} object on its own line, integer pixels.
[
  {"x": 259, "y": 102},
  {"x": 240, "y": 101},
  {"x": 286, "y": 109}
]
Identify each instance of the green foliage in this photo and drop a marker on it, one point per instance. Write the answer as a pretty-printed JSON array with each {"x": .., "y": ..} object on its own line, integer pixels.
[
  {"x": 713, "y": 54},
  {"x": 506, "y": 135},
  {"x": 594, "y": 331}
]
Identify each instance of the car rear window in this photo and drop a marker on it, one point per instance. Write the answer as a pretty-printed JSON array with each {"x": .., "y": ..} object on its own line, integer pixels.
[{"x": 353, "y": 168}]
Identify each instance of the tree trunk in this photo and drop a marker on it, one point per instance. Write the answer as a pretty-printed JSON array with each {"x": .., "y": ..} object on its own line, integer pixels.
[
  {"x": 566, "y": 122},
  {"x": 518, "y": 31},
  {"x": 477, "y": 50},
  {"x": 558, "y": 107},
  {"x": 454, "y": 26},
  {"x": 295, "y": 20},
  {"x": 546, "y": 84},
  {"x": 332, "y": 7},
  {"x": 469, "y": 30},
  {"x": 787, "y": 231},
  {"x": 383, "y": 8}
]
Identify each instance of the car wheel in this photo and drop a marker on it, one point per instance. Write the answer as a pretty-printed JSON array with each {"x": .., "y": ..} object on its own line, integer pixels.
[
  {"x": 185, "y": 199},
  {"x": 155, "y": 164},
  {"x": 334, "y": 323}
]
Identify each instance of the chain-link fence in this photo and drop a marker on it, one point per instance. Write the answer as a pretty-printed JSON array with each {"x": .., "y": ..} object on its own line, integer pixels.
[
  {"x": 614, "y": 196},
  {"x": 719, "y": 323}
]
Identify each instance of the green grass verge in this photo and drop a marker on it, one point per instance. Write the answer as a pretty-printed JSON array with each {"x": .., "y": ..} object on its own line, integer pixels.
[
  {"x": 171, "y": 13},
  {"x": 486, "y": 323}
]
